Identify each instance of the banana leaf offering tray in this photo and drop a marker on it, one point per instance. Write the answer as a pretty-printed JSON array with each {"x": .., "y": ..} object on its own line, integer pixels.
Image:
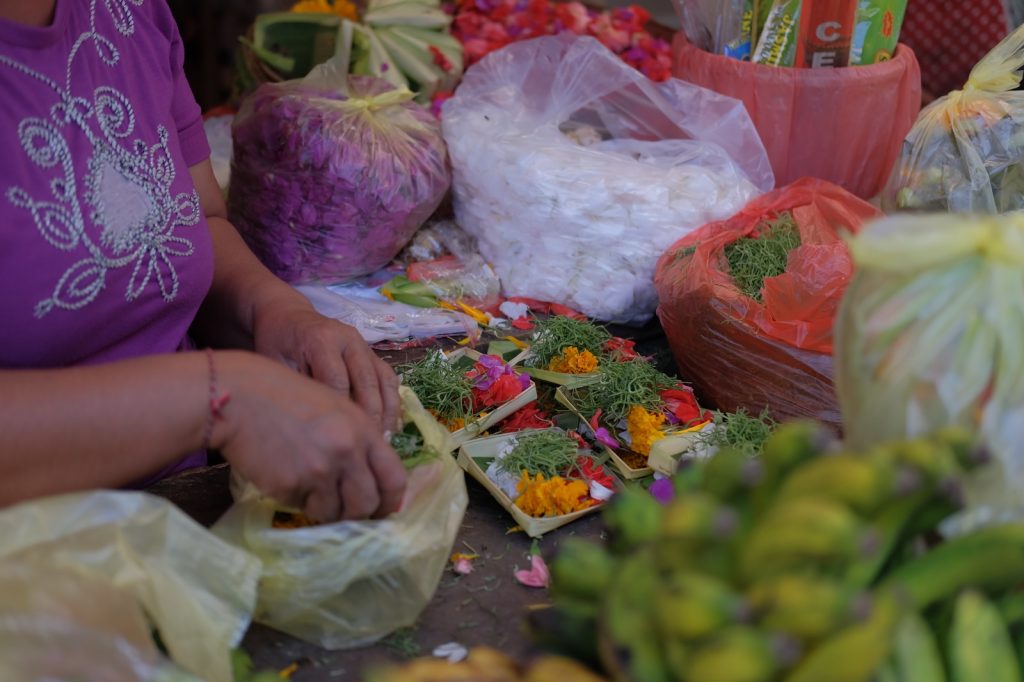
[{"x": 544, "y": 478}]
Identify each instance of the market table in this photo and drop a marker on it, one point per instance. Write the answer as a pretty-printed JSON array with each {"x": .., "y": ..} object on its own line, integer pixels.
[{"x": 486, "y": 607}]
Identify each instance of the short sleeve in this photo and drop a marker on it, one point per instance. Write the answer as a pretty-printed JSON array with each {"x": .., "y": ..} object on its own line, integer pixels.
[{"x": 186, "y": 112}]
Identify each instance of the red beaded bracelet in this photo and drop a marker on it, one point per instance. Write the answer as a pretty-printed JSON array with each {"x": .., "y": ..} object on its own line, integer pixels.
[{"x": 217, "y": 402}]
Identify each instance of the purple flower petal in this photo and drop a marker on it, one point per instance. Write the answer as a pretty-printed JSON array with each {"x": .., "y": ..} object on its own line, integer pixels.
[
  {"x": 605, "y": 438},
  {"x": 663, "y": 490}
]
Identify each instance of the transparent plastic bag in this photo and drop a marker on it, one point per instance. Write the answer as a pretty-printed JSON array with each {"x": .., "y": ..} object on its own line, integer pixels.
[
  {"x": 348, "y": 584},
  {"x": 378, "y": 319},
  {"x": 574, "y": 172},
  {"x": 198, "y": 591},
  {"x": 965, "y": 153},
  {"x": 740, "y": 353},
  {"x": 929, "y": 334},
  {"x": 332, "y": 174},
  {"x": 717, "y": 26},
  {"x": 59, "y": 624}
]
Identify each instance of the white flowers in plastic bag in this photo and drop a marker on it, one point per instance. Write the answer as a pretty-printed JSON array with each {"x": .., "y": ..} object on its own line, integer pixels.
[{"x": 575, "y": 172}]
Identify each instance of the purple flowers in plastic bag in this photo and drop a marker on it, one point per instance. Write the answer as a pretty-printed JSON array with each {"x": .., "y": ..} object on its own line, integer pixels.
[{"x": 328, "y": 185}]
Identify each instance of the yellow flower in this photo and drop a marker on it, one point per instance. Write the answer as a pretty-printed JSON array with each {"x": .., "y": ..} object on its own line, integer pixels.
[
  {"x": 572, "y": 361},
  {"x": 644, "y": 428},
  {"x": 551, "y": 497},
  {"x": 343, "y": 8},
  {"x": 452, "y": 425}
]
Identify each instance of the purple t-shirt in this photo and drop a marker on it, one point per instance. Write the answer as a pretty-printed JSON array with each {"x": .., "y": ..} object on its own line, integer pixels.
[{"x": 104, "y": 251}]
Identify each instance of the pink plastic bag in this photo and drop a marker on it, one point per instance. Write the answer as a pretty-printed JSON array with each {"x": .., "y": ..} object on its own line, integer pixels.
[{"x": 844, "y": 125}]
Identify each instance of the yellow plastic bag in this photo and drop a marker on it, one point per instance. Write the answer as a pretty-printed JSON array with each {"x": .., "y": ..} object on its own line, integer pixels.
[
  {"x": 197, "y": 591},
  {"x": 931, "y": 333},
  {"x": 58, "y": 624},
  {"x": 347, "y": 584},
  {"x": 965, "y": 153}
]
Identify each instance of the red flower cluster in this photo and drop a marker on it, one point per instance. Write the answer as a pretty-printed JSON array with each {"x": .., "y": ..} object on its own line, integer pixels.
[
  {"x": 592, "y": 471},
  {"x": 683, "y": 406},
  {"x": 487, "y": 25},
  {"x": 621, "y": 349},
  {"x": 530, "y": 417}
]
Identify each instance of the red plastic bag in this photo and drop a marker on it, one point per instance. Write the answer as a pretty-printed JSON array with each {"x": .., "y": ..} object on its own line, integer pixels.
[
  {"x": 743, "y": 354},
  {"x": 844, "y": 125}
]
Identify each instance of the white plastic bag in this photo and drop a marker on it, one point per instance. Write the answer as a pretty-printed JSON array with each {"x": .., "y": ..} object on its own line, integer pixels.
[
  {"x": 929, "y": 334},
  {"x": 198, "y": 591},
  {"x": 575, "y": 172},
  {"x": 347, "y": 584}
]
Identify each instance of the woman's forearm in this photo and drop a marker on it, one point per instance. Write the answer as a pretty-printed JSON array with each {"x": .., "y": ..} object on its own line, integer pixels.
[
  {"x": 242, "y": 285},
  {"x": 99, "y": 426}
]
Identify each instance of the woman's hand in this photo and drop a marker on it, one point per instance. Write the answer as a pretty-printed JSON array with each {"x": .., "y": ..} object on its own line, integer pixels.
[
  {"x": 293, "y": 332},
  {"x": 302, "y": 443}
]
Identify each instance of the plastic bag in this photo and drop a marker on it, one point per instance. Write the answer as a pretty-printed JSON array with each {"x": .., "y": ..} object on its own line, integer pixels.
[
  {"x": 378, "y": 319},
  {"x": 58, "y": 624},
  {"x": 743, "y": 354},
  {"x": 841, "y": 125},
  {"x": 965, "y": 153},
  {"x": 717, "y": 26},
  {"x": 333, "y": 174},
  {"x": 199, "y": 592},
  {"x": 447, "y": 260},
  {"x": 347, "y": 584},
  {"x": 929, "y": 334},
  {"x": 574, "y": 172}
]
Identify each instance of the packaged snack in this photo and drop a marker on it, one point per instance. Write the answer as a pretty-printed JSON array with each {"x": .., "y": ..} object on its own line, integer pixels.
[
  {"x": 877, "y": 31},
  {"x": 776, "y": 46},
  {"x": 826, "y": 33}
]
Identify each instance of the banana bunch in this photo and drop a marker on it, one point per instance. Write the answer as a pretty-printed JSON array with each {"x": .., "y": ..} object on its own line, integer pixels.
[
  {"x": 484, "y": 664},
  {"x": 806, "y": 564},
  {"x": 405, "y": 42}
]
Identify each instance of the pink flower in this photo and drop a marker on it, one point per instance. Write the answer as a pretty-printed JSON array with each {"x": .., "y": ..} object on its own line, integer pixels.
[
  {"x": 601, "y": 434},
  {"x": 537, "y": 576}
]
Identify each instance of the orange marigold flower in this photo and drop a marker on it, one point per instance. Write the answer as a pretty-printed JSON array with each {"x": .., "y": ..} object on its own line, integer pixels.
[
  {"x": 644, "y": 429},
  {"x": 573, "y": 361},
  {"x": 342, "y": 8},
  {"x": 552, "y": 497}
]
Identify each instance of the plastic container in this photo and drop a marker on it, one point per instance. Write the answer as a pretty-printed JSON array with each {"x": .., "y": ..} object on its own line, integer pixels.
[{"x": 844, "y": 125}]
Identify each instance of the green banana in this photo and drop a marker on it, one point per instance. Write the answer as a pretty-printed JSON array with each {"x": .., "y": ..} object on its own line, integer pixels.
[
  {"x": 738, "y": 654},
  {"x": 964, "y": 445},
  {"x": 990, "y": 558},
  {"x": 569, "y": 628},
  {"x": 915, "y": 655},
  {"x": 931, "y": 457},
  {"x": 862, "y": 482},
  {"x": 696, "y": 516},
  {"x": 980, "y": 646},
  {"x": 855, "y": 653},
  {"x": 729, "y": 473},
  {"x": 693, "y": 605},
  {"x": 787, "y": 448},
  {"x": 799, "y": 532},
  {"x": 677, "y": 657},
  {"x": 890, "y": 527},
  {"x": 806, "y": 607},
  {"x": 633, "y": 518},
  {"x": 1011, "y": 608},
  {"x": 627, "y": 641},
  {"x": 887, "y": 673},
  {"x": 581, "y": 570}
]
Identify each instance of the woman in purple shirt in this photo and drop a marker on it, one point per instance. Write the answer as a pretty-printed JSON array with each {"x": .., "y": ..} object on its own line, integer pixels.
[{"x": 115, "y": 253}]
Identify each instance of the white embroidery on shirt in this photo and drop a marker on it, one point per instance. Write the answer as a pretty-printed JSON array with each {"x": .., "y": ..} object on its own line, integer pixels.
[{"x": 126, "y": 188}]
